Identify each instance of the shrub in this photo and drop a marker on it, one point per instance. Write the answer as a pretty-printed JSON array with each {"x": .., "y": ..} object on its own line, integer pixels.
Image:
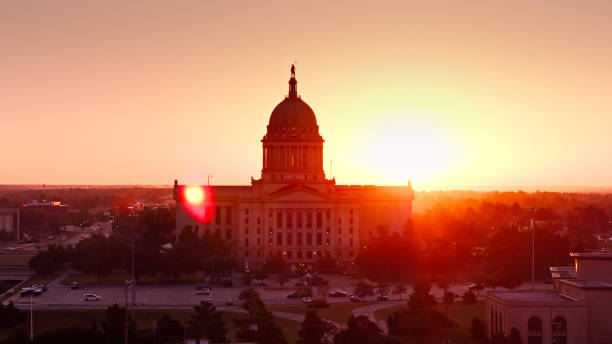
[
  {"x": 469, "y": 298},
  {"x": 318, "y": 303}
]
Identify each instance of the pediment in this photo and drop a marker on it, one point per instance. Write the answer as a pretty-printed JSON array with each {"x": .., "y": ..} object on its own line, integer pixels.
[{"x": 296, "y": 193}]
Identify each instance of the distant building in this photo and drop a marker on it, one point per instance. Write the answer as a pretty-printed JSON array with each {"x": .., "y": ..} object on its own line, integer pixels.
[
  {"x": 579, "y": 310},
  {"x": 10, "y": 221},
  {"x": 293, "y": 210},
  {"x": 45, "y": 207}
]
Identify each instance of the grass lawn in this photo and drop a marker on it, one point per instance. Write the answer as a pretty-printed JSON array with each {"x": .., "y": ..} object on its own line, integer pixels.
[
  {"x": 119, "y": 277},
  {"x": 338, "y": 312},
  {"x": 458, "y": 312},
  {"x": 56, "y": 319}
]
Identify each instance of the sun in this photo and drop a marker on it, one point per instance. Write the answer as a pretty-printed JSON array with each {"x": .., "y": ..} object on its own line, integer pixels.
[
  {"x": 402, "y": 147},
  {"x": 194, "y": 194}
]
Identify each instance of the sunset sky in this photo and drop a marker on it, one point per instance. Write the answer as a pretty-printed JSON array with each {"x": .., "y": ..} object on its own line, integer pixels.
[{"x": 446, "y": 94}]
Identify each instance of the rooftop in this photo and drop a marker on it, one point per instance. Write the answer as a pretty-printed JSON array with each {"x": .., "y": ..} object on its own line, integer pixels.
[
  {"x": 531, "y": 296},
  {"x": 592, "y": 255},
  {"x": 589, "y": 284}
]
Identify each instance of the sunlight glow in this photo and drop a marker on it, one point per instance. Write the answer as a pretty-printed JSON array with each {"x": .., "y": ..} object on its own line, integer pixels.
[{"x": 194, "y": 194}]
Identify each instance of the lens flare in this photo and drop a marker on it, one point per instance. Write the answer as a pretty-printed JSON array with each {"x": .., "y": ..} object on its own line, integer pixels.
[
  {"x": 194, "y": 194},
  {"x": 198, "y": 201}
]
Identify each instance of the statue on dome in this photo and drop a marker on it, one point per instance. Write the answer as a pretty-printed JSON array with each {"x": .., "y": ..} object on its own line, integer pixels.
[{"x": 293, "y": 71}]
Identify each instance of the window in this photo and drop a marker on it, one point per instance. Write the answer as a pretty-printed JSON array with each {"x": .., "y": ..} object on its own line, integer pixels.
[
  {"x": 197, "y": 229},
  {"x": 319, "y": 220},
  {"x": 218, "y": 232},
  {"x": 308, "y": 238},
  {"x": 559, "y": 330},
  {"x": 351, "y": 242},
  {"x": 258, "y": 230},
  {"x": 258, "y": 253},
  {"x": 319, "y": 239},
  {"x": 319, "y": 254},
  {"x": 339, "y": 241},
  {"x": 289, "y": 219},
  {"x": 327, "y": 214},
  {"x": 228, "y": 215},
  {"x": 299, "y": 238},
  {"x": 350, "y": 221},
  {"x": 534, "y": 330},
  {"x": 259, "y": 220},
  {"x": 246, "y": 242},
  {"x": 299, "y": 254},
  {"x": 309, "y": 219},
  {"x": 246, "y": 253},
  {"x": 351, "y": 212},
  {"x": 270, "y": 242},
  {"x": 327, "y": 242},
  {"x": 339, "y": 230},
  {"x": 279, "y": 238},
  {"x": 228, "y": 233},
  {"x": 309, "y": 254},
  {"x": 279, "y": 219},
  {"x": 339, "y": 220},
  {"x": 217, "y": 215},
  {"x": 300, "y": 223},
  {"x": 289, "y": 254},
  {"x": 258, "y": 241},
  {"x": 350, "y": 253},
  {"x": 289, "y": 239},
  {"x": 246, "y": 231},
  {"x": 327, "y": 254},
  {"x": 351, "y": 230},
  {"x": 206, "y": 231}
]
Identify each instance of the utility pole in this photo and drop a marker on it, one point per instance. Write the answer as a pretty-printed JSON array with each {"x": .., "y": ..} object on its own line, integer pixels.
[
  {"x": 133, "y": 280},
  {"x": 532, "y": 249}
]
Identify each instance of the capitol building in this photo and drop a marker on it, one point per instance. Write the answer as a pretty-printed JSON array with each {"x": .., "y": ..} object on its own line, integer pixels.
[{"x": 293, "y": 210}]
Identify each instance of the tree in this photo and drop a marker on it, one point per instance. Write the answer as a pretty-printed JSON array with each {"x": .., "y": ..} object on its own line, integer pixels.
[
  {"x": 327, "y": 265},
  {"x": 261, "y": 275},
  {"x": 514, "y": 337},
  {"x": 169, "y": 330},
  {"x": 469, "y": 298},
  {"x": 420, "y": 297},
  {"x": 359, "y": 330},
  {"x": 10, "y": 315},
  {"x": 477, "y": 329},
  {"x": 382, "y": 289},
  {"x": 449, "y": 299},
  {"x": 363, "y": 289},
  {"x": 267, "y": 330},
  {"x": 282, "y": 278},
  {"x": 399, "y": 290},
  {"x": 313, "y": 328},
  {"x": 208, "y": 323},
  {"x": 275, "y": 264},
  {"x": 114, "y": 326}
]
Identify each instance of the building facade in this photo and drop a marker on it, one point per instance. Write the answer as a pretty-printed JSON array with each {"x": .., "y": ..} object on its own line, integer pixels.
[
  {"x": 577, "y": 311},
  {"x": 10, "y": 222},
  {"x": 293, "y": 210}
]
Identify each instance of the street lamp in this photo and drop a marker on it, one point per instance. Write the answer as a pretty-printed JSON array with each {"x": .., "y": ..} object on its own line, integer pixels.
[
  {"x": 254, "y": 328},
  {"x": 126, "y": 285}
]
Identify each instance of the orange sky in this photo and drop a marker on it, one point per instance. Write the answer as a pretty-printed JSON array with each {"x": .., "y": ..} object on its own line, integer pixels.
[{"x": 445, "y": 94}]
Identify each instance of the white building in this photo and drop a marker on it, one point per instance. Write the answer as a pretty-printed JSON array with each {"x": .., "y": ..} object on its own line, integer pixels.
[
  {"x": 577, "y": 311},
  {"x": 10, "y": 221},
  {"x": 293, "y": 210}
]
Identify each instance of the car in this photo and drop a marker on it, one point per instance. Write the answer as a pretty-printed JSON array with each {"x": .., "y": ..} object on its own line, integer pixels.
[
  {"x": 382, "y": 298},
  {"x": 91, "y": 297},
  {"x": 74, "y": 285},
  {"x": 203, "y": 291},
  {"x": 354, "y": 298},
  {"x": 306, "y": 299},
  {"x": 209, "y": 300},
  {"x": 42, "y": 287},
  {"x": 29, "y": 291},
  {"x": 229, "y": 301},
  {"x": 338, "y": 293}
]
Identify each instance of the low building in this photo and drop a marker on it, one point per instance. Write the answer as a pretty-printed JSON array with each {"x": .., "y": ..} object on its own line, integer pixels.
[
  {"x": 10, "y": 221},
  {"x": 577, "y": 310}
]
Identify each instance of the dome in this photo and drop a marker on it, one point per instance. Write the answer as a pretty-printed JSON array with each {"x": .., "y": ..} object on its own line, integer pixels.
[{"x": 293, "y": 113}]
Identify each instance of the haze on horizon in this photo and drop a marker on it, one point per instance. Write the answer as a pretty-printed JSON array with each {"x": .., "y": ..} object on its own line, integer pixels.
[{"x": 446, "y": 94}]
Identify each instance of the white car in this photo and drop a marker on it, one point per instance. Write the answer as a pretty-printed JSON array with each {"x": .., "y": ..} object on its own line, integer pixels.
[
  {"x": 203, "y": 291},
  {"x": 91, "y": 297}
]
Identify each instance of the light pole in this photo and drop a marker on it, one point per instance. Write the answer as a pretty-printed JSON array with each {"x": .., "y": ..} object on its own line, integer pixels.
[
  {"x": 126, "y": 285},
  {"x": 532, "y": 208},
  {"x": 31, "y": 320},
  {"x": 133, "y": 283}
]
